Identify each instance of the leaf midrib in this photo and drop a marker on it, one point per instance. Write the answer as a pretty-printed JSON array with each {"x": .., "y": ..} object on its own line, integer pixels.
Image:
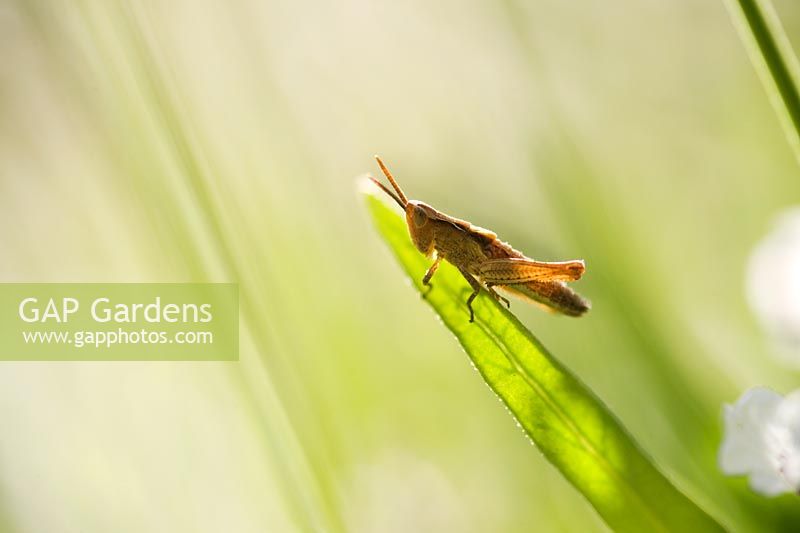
[
  {"x": 554, "y": 406},
  {"x": 541, "y": 391}
]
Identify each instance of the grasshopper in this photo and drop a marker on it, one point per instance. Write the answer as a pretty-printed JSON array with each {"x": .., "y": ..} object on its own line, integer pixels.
[{"x": 484, "y": 260}]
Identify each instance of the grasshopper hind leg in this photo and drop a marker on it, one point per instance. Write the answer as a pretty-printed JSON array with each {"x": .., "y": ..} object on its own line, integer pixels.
[
  {"x": 476, "y": 289},
  {"x": 490, "y": 288}
]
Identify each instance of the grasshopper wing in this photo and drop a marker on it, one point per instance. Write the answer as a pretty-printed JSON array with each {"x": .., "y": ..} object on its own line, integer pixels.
[{"x": 553, "y": 296}]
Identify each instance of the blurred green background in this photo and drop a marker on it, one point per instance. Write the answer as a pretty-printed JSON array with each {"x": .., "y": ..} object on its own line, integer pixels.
[{"x": 200, "y": 141}]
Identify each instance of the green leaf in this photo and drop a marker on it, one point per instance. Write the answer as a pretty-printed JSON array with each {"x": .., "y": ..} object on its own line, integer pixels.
[
  {"x": 774, "y": 60},
  {"x": 570, "y": 425}
]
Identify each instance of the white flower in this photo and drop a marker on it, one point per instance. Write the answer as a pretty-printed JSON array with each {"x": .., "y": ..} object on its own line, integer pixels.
[
  {"x": 762, "y": 440},
  {"x": 773, "y": 284}
]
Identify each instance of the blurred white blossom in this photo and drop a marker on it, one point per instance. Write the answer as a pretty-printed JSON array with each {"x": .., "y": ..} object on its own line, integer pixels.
[
  {"x": 762, "y": 440},
  {"x": 773, "y": 284}
]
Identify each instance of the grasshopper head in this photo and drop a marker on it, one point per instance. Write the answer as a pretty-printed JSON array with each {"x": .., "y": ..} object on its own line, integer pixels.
[
  {"x": 420, "y": 227},
  {"x": 418, "y": 214}
]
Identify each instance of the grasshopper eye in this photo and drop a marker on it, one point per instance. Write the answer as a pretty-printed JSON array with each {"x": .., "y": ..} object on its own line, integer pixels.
[{"x": 420, "y": 218}]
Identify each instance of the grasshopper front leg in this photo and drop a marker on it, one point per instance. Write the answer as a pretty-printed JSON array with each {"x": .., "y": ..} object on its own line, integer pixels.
[{"x": 426, "y": 280}]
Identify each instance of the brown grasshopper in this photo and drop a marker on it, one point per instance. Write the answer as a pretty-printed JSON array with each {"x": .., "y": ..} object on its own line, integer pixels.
[{"x": 482, "y": 258}]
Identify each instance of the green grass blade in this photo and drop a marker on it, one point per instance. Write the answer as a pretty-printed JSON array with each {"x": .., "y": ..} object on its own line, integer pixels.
[
  {"x": 570, "y": 425},
  {"x": 772, "y": 55}
]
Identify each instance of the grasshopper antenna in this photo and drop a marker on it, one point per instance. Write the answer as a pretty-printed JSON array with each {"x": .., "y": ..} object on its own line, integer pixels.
[
  {"x": 402, "y": 200},
  {"x": 387, "y": 191}
]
